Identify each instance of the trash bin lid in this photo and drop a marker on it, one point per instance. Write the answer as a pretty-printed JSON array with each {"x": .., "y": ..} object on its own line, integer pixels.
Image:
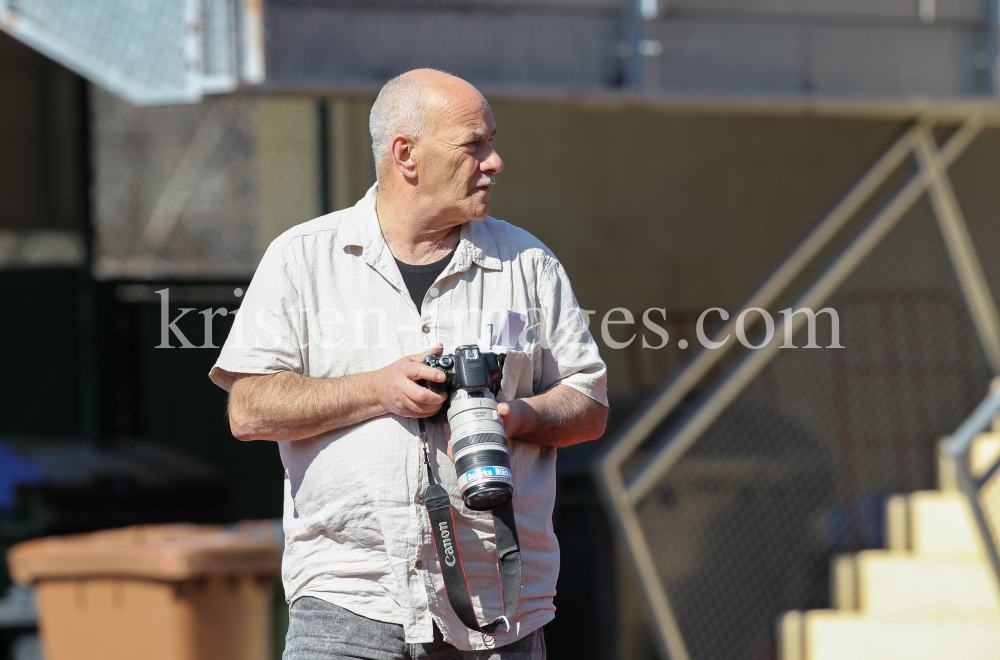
[{"x": 158, "y": 552}]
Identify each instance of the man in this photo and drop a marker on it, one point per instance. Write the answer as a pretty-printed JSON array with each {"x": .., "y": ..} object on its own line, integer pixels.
[{"x": 325, "y": 356}]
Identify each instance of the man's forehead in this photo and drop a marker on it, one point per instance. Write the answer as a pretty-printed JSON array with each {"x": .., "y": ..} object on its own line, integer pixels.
[
  {"x": 482, "y": 129},
  {"x": 465, "y": 114},
  {"x": 478, "y": 126}
]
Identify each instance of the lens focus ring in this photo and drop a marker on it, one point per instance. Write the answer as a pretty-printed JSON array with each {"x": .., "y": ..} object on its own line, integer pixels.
[
  {"x": 484, "y": 458},
  {"x": 478, "y": 439}
]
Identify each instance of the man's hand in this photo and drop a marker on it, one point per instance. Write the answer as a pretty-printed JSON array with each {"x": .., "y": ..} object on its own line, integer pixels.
[
  {"x": 397, "y": 391},
  {"x": 514, "y": 416},
  {"x": 558, "y": 417}
]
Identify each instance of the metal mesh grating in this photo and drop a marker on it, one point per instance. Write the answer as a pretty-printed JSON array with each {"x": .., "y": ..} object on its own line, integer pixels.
[
  {"x": 134, "y": 47},
  {"x": 201, "y": 190},
  {"x": 798, "y": 466},
  {"x": 975, "y": 182},
  {"x": 569, "y": 46},
  {"x": 176, "y": 188},
  {"x": 219, "y": 38}
]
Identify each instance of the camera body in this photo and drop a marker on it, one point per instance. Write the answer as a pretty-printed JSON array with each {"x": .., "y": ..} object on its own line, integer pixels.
[
  {"x": 478, "y": 441},
  {"x": 467, "y": 368}
]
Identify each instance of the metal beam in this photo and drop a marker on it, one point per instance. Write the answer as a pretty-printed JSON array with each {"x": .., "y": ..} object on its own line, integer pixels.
[
  {"x": 668, "y": 638},
  {"x": 957, "y": 448},
  {"x": 781, "y": 105},
  {"x": 960, "y": 248},
  {"x": 991, "y": 49}
]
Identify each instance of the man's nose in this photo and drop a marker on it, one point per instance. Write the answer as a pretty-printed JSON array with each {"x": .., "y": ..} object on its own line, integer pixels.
[{"x": 493, "y": 162}]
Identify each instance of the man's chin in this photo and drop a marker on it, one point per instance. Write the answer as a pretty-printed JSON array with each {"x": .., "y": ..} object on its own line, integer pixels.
[{"x": 480, "y": 208}]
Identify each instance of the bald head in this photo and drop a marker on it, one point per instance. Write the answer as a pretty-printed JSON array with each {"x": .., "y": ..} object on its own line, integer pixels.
[
  {"x": 432, "y": 137},
  {"x": 407, "y": 105}
]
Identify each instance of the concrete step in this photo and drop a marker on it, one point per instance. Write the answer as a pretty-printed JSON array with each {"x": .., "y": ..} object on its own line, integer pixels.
[
  {"x": 983, "y": 454},
  {"x": 835, "y": 635},
  {"x": 844, "y": 582},
  {"x": 896, "y": 584},
  {"x": 941, "y": 523}
]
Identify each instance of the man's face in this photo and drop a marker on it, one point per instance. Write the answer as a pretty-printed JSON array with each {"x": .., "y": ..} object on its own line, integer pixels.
[{"x": 458, "y": 163}]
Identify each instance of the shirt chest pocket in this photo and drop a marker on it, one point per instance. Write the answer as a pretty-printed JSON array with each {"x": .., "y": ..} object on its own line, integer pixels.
[{"x": 516, "y": 367}]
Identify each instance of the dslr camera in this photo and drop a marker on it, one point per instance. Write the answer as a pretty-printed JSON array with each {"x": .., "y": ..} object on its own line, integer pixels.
[{"x": 478, "y": 441}]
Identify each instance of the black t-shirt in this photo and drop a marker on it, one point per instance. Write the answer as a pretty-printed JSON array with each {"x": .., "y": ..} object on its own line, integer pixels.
[{"x": 420, "y": 278}]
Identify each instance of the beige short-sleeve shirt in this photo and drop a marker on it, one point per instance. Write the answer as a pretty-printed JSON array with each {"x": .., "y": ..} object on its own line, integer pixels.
[{"x": 327, "y": 301}]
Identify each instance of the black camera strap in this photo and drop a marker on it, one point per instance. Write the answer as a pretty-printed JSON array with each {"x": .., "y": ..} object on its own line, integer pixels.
[{"x": 442, "y": 517}]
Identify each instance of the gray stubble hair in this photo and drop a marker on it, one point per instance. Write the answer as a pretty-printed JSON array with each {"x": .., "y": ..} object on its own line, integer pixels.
[{"x": 398, "y": 109}]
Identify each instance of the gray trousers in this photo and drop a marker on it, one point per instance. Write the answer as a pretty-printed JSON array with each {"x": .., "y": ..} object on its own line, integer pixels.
[{"x": 318, "y": 630}]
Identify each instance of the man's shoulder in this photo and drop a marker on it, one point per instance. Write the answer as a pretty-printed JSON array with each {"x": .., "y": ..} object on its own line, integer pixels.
[
  {"x": 520, "y": 240},
  {"x": 325, "y": 228}
]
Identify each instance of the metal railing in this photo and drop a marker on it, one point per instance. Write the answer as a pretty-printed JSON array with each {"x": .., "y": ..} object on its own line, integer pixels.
[
  {"x": 646, "y": 473},
  {"x": 959, "y": 448}
]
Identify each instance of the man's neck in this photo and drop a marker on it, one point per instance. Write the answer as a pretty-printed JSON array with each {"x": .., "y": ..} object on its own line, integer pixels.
[{"x": 413, "y": 237}]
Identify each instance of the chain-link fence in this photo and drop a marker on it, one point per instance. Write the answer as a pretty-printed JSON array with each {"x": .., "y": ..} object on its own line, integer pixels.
[
  {"x": 200, "y": 190},
  {"x": 798, "y": 466}
]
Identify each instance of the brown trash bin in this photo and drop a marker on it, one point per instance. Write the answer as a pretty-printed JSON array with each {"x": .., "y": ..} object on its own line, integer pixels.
[{"x": 165, "y": 592}]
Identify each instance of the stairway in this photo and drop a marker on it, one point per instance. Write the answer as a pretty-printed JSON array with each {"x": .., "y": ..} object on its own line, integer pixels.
[{"x": 930, "y": 595}]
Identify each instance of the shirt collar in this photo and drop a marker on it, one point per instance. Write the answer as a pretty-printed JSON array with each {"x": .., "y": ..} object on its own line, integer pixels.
[{"x": 476, "y": 244}]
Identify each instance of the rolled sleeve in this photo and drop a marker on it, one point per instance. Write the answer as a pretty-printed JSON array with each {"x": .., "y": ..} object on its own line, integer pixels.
[
  {"x": 265, "y": 337},
  {"x": 569, "y": 354}
]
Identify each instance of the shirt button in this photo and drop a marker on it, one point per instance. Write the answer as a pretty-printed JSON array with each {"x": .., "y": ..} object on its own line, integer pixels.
[
  {"x": 419, "y": 563},
  {"x": 425, "y": 329},
  {"x": 420, "y": 499}
]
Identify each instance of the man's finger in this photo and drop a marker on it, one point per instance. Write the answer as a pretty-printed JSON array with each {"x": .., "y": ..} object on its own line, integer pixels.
[
  {"x": 417, "y": 409},
  {"x": 504, "y": 410},
  {"x": 411, "y": 408},
  {"x": 419, "y": 394},
  {"x": 420, "y": 371}
]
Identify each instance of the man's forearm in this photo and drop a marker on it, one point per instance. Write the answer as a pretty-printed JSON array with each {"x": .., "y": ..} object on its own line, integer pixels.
[
  {"x": 559, "y": 417},
  {"x": 289, "y": 406}
]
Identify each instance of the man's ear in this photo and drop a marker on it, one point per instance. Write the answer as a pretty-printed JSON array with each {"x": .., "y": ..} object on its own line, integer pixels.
[{"x": 403, "y": 157}]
